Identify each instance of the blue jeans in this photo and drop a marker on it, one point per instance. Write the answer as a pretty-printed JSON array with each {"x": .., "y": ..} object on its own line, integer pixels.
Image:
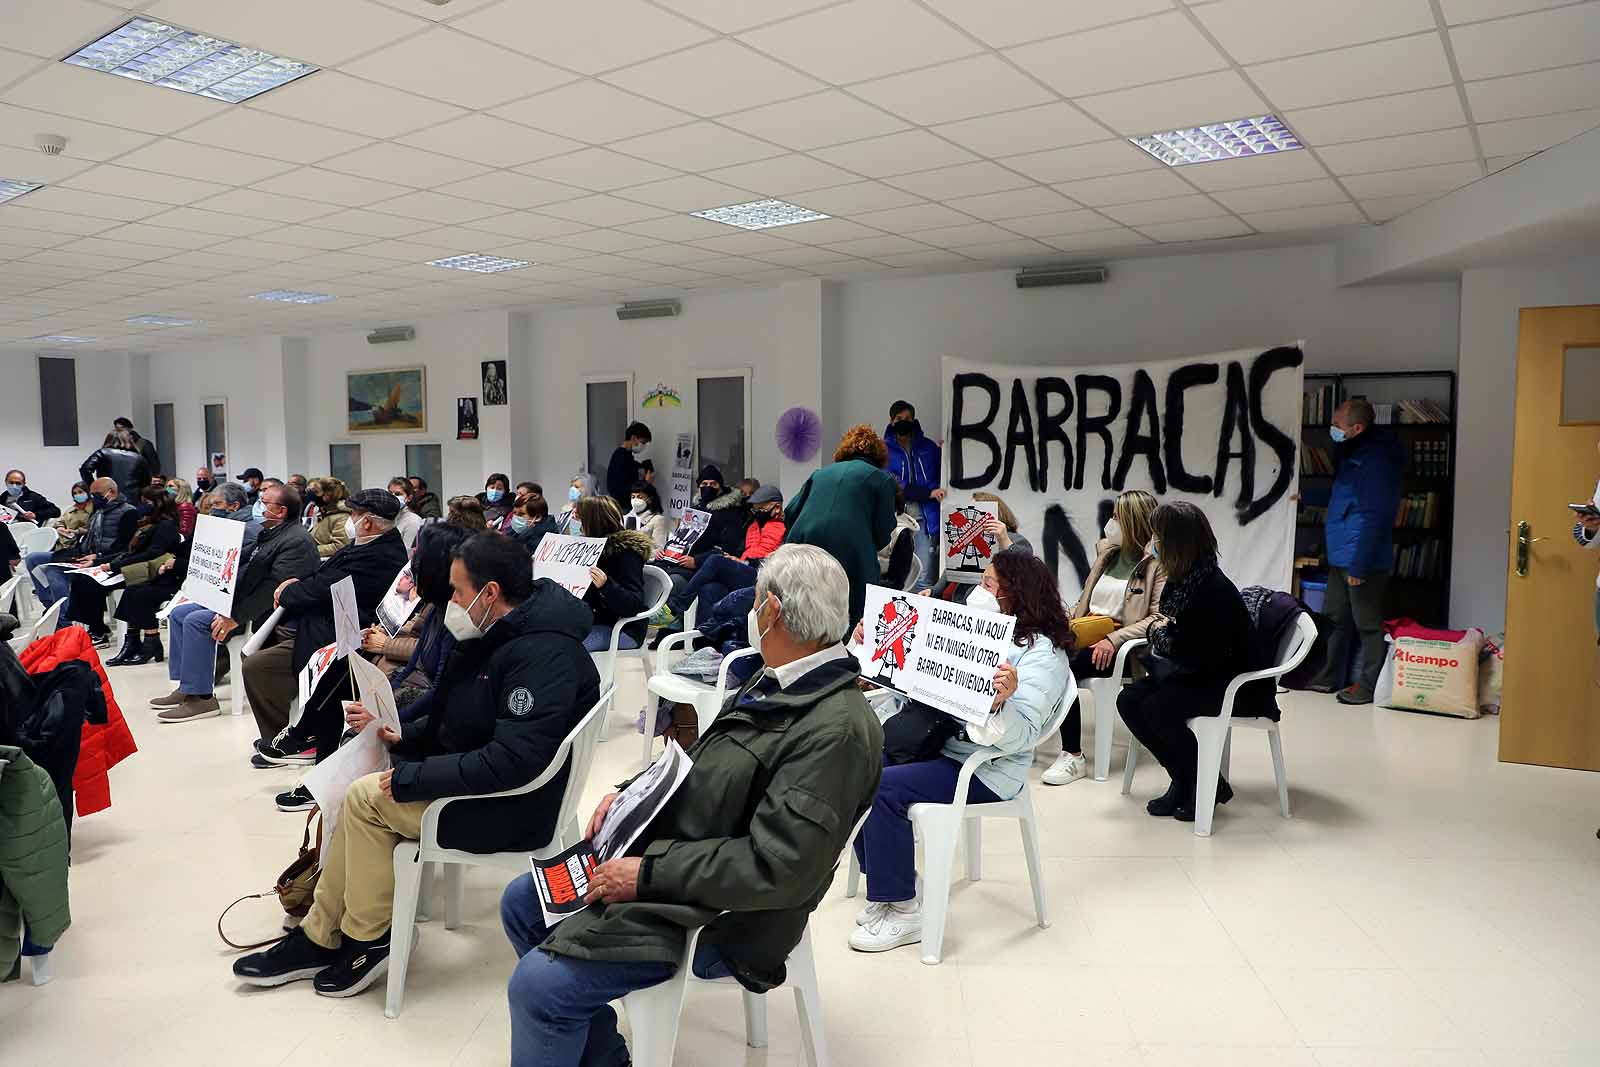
[
  {"x": 55, "y": 585},
  {"x": 561, "y": 1014},
  {"x": 886, "y": 847},
  {"x": 599, "y": 639},
  {"x": 714, "y": 578},
  {"x": 191, "y": 654},
  {"x": 927, "y": 548}
]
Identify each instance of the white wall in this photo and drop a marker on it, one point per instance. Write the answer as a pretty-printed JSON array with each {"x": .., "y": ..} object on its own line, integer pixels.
[
  {"x": 1490, "y": 300},
  {"x": 247, "y": 374},
  {"x": 103, "y": 395}
]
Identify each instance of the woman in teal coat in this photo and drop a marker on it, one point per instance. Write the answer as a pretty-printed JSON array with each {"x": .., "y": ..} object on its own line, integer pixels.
[{"x": 847, "y": 509}]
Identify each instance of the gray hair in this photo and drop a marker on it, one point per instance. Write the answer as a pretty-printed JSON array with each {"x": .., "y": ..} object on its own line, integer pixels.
[
  {"x": 232, "y": 493},
  {"x": 382, "y": 524},
  {"x": 812, "y": 588}
]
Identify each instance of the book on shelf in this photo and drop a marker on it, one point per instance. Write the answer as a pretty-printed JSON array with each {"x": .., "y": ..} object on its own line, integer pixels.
[
  {"x": 1418, "y": 511},
  {"x": 1425, "y": 560},
  {"x": 1413, "y": 412},
  {"x": 1430, "y": 459},
  {"x": 1316, "y": 461},
  {"x": 1316, "y": 405}
]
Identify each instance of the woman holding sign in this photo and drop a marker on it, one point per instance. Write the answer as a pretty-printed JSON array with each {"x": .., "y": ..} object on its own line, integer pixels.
[
  {"x": 1028, "y": 685},
  {"x": 618, "y": 581}
]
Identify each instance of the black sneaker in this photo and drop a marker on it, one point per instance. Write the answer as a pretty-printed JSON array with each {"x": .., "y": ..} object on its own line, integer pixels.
[
  {"x": 291, "y": 754},
  {"x": 293, "y": 959},
  {"x": 360, "y": 964},
  {"x": 297, "y": 799}
]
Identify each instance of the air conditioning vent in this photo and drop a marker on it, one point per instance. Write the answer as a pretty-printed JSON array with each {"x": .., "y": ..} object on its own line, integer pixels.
[
  {"x": 649, "y": 309},
  {"x": 385, "y": 334},
  {"x": 1039, "y": 277}
]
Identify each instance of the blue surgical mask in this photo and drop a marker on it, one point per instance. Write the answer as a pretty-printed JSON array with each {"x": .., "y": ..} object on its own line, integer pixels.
[
  {"x": 519, "y": 523},
  {"x": 1154, "y": 550},
  {"x": 494, "y": 495},
  {"x": 574, "y": 494},
  {"x": 1338, "y": 434},
  {"x": 15, "y": 489},
  {"x": 259, "y": 509},
  {"x": 172, "y": 491},
  {"x": 80, "y": 498}
]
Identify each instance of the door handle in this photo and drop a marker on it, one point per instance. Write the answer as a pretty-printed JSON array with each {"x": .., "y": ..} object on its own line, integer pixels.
[{"x": 1524, "y": 542}]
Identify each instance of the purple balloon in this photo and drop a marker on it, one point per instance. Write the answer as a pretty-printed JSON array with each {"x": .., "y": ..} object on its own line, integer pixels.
[{"x": 799, "y": 433}]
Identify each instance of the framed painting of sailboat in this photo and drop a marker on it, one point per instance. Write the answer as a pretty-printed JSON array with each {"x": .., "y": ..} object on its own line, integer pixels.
[{"x": 386, "y": 401}]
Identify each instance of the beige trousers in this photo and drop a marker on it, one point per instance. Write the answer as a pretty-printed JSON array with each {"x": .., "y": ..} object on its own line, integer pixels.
[{"x": 355, "y": 895}]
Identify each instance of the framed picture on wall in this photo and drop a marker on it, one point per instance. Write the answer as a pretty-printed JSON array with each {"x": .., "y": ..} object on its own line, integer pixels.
[
  {"x": 385, "y": 401},
  {"x": 466, "y": 418},
  {"x": 494, "y": 383}
]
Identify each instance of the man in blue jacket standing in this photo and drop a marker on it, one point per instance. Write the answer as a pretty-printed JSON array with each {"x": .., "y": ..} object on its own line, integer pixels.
[
  {"x": 914, "y": 462},
  {"x": 1360, "y": 534}
]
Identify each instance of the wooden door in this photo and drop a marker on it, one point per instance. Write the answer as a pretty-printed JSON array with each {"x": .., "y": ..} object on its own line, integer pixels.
[{"x": 1550, "y": 706}]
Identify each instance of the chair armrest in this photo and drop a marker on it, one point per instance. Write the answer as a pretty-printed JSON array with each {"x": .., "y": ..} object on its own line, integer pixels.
[
  {"x": 722, "y": 671},
  {"x": 1120, "y": 670},
  {"x": 670, "y": 644}
]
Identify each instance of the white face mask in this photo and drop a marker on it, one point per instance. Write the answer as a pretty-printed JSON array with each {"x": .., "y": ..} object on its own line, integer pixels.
[
  {"x": 638, "y": 505},
  {"x": 1113, "y": 530},
  {"x": 458, "y": 620},
  {"x": 984, "y": 600},
  {"x": 753, "y": 631},
  {"x": 350, "y": 529}
]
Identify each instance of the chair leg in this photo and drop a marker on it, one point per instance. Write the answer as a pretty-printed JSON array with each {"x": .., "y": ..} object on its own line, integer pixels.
[
  {"x": 1275, "y": 740},
  {"x": 1128, "y": 764},
  {"x": 1029, "y": 824},
  {"x": 651, "y": 702},
  {"x": 238, "y": 701},
  {"x": 653, "y": 1013},
  {"x": 1210, "y": 738},
  {"x": 41, "y": 969},
  {"x": 852, "y": 878},
  {"x": 755, "y": 1019},
  {"x": 808, "y": 1002},
  {"x": 425, "y": 893},
  {"x": 452, "y": 895},
  {"x": 973, "y": 849},
  {"x": 407, "y": 884},
  {"x": 940, "y": 831},
  {"x": 1104, "y": 707},
  {"x": 1227, "y": 753}
]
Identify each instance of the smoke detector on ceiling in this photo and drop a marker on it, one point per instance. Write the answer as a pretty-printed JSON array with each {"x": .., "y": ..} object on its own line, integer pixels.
[{"x": 50, "y": 144}]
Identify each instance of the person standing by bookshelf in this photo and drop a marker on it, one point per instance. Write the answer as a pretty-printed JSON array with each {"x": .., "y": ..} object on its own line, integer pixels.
[{"x": 1360, "y": 540}]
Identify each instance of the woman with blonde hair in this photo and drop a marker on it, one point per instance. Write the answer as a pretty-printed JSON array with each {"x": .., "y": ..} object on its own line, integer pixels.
[
  {"x": 617, "y": 588},
  {"x": 330, "y": 532},
  {"x": 1118, "y": 604},
  {"x": 847, "y": 510},
  {"x": 180, "y": 492}
]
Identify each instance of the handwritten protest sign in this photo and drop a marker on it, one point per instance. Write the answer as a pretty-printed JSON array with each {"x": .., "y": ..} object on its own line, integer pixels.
[
  {"x": 688, "y": 531},
  {"x": 936, "y": 652},
  {"x": 346, "y": 616},
  {"x": 963, "y": 546},
  {"x": 214, "y": 563},
  {"x": 312, "y": 672},
  {"x": 680, "y": 490},
  {"x": 566, "y": 560},
  {"x": 400, "y": 602}
]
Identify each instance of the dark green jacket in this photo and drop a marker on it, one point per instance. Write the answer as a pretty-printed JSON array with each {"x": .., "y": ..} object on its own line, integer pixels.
[
  {"x": 33, "y": 857},
  {"x": 846, "y": 509},
  {"x": 755, "y": 831}
]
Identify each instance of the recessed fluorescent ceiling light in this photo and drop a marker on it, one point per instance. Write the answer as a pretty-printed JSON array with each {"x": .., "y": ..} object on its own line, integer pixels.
[
  {"x": 761, "y": 214},
  {"x": 10, "y": 189},
  {"x": 160, "y": 320},
  {"x": 480, "y": 263},
  {"x": 155, "y": 52},
  {"x": 66, "y": 338},
  {"x": 292, "y": 296},
  {"x": 1220, "y": 140}
]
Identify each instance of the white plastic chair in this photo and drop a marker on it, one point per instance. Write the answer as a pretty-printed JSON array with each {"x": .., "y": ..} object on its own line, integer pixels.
[
  {"x": 240, "y": 647},
  {"x": 412, "y": 857},
  {"x": 657, "y": 587},
  {"x": 1098, "y": 697},
  {"x": 43, "y": 539},
  {"x": 23, "y": 528},
  {"x": 46, "y": 623},
  {"x": 1214, "y": 733},
  {"x": 706, "y": 699},
  {"x": 940, "y": 826},
  {"x": 10, "y": 593}
]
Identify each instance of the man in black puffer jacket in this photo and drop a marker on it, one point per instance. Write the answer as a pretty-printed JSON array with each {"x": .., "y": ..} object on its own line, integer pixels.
[{"x": 517, "y": 683}]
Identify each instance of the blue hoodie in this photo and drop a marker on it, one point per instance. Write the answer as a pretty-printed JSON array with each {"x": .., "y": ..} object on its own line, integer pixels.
[
  {"x": 916, "y": 470},
  {"x": 1362, "y": 507}
]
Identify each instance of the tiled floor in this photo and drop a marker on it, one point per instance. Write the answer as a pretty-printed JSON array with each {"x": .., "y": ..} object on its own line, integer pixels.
[{"x": 1426, "y": 907}]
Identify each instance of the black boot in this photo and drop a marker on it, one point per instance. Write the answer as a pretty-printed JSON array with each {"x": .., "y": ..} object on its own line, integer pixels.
[
  {"x": 1169, "y": 802},
  {"x": 130, "y": 649},
  {"x": 148, "y": 651}
]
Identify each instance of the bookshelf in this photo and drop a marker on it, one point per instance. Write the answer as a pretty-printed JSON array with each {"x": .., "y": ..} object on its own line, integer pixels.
[{"x": 1418, "y": 407}]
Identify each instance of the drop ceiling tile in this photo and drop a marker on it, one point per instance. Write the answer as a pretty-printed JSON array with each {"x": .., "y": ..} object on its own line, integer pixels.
[
  {"x": 315, "y": 237},
  {"x": 371, "y": 223},
  {"x": 590, "y": 37},
  {"x": 95, "y": 205},
  {"x": 971, "y": 233},
  {"x": 1125, "y": 188},
  {"x": 14, "y": 65},
  {"x": 677, "y": 228},
  {"x": 857, "y": 197},
  {"x": 490, "y": 141},
  {"x": 427, "y": 9},
  {"x": 1397, "y": 153},
  {"x": 674, "y": 276},
  {"x": 606, "y": 264},
  {"x": 741, "y": 243},
  {"x": 602, "y": 210},
  {"x": 1305, "y": 218},
  {"x": 962, "y": 89},
  {"x": 543, "y": 252},
  {"x": 204, "y": 162},
  {"x": 395, "y": 163},
  {"x": 1082, "y": 161},
  {"x": 1024, "y": 130},
  {"x": 346, "y": 190},
  {"x": 1016, "y": 250},
  {"x": 347, "y": 103},
  {"x": 912, "y": 218},
  {"x": 782, "y": 176},
  {"x": 1255, "y": 30},
  {"x": 886, "y": 245},
  {"x": 1534, "y": 41},
  {"x": 56, "y": 28},
  {"x": 827, "y": 231},
  {"x": 898, "y": 153},
  {"x": 1196, "y": 230},
  {"x": 444, "y": 64},
  {"x": 592, "y": 112},
  {"x": 1002, "y": 23},
  {"x": 687, "y": 192},
  {"x": 94, "y": 96},
  {"x": 1436, "y": 179},
  {"x": 672, "y": 255},
  {"x": 597, "y": 169},
  {"x": 1456, "y": 11},
  {"x": 267, "y": 252},
  {"x": 1494, "y": 164},
  {"x": 714, "y": 78},
  {"x": 813, "y": 121},
  {"x": 1173, "y": 209},
  {"x": 798, "y": 257},
  {"x": 966, "y": 179},
  {"x": 1116, "y": 57},
  {"x": 1384, "y": 116},
  {"x": 1515, "y": 136},
  {"x": 218, "y": 223},
  {"x": 1094, "y": 240},
  {"x": 1540, "y": 93},
  {"x": 731, "y": 16},
  {"x": 1384, "y": 208},
  {"x": 1401, "y": 65},
  {"x": 1315, "y": 193},
  {"x": 936, "y": 257},
  {"x": 1056, "y": 223},
  {"x": 246, "y": 129},
  {"x": 862, "y": 39},
  {"x": 85, "y": 140},
  {"x": 308, "y": 30},
  {"x": 530, "y": 225},
  {"x": 1250, "y": 171},
  {"x": 606, "y": 241},
  {"x": 1016, "y": 203},
  {"x": 1205, "y": 98},
  {"x": 122, "y": 181},
  {"x": 416, "y": 253},
  {"x": 512, "y": 190},
  {"x": 698, "y": 146},
  {"x": 436, "y": 207}
]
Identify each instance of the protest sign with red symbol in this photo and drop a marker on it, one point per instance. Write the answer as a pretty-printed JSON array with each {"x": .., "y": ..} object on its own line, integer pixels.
[{"x": 967, "y": 548}]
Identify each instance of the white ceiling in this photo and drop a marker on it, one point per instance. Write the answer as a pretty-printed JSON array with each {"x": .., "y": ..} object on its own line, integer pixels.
[{"x": 941, "y": 134}]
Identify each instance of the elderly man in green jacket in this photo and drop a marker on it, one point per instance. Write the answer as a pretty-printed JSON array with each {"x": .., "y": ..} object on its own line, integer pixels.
[{"x": 746, "y": 848}]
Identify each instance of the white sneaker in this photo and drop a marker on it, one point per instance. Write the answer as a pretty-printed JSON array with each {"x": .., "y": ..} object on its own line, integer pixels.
[
  {"x": 891, "y": 929},
  {"x": 873, "y": 910},
  {"x": 1065, "y": 770}
]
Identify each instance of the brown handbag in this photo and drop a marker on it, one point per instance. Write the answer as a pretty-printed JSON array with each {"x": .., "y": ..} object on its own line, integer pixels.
[{"x": 296, "y": 886}]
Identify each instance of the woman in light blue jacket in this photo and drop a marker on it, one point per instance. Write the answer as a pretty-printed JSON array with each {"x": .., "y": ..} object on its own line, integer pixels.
[{"x": 1028, "y": 688}]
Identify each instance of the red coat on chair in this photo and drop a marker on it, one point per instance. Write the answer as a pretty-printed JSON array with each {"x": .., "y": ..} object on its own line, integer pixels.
[{"x": 103, "y": 746}]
